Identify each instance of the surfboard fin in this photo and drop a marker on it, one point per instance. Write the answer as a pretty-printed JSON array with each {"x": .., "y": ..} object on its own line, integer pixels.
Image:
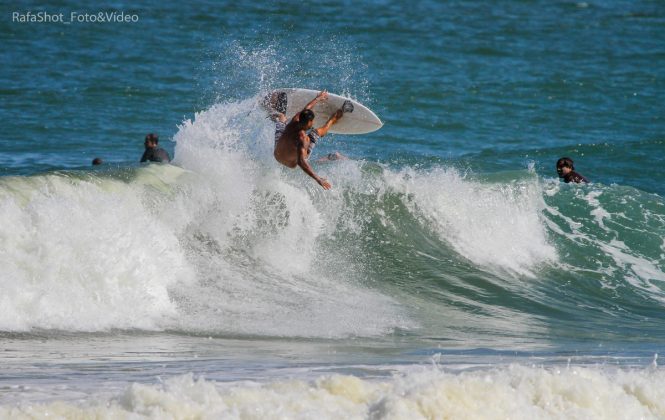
[{"x": 347, "y": 107}]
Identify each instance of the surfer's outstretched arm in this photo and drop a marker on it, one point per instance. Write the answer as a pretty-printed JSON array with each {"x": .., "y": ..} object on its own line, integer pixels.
[
  {"x": 303, "y": 162},
  {"x": 322, "y": 96}
]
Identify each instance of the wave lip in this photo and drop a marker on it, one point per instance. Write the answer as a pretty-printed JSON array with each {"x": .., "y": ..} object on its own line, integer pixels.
[{"x": 497, "y": 226}]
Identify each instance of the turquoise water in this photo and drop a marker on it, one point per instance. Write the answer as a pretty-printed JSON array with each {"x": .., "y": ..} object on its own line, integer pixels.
[{"x": 446, "y": 265}]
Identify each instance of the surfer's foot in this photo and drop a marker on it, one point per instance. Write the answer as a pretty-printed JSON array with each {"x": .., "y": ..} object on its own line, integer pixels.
[
  {"x": 331, "y": 157},
  {"x": 336, "y": 156},
  {"x": 335, "y": 117},
  {"x": 277, "y": 116}
]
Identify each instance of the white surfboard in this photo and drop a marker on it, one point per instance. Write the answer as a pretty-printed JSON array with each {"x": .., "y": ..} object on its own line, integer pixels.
[{"x": 360, "y": 120}]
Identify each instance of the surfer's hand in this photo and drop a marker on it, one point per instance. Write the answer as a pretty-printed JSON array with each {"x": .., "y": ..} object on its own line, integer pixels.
[
  {"x": 322, "y": 95},
  {"x": 324, "y": 183}
]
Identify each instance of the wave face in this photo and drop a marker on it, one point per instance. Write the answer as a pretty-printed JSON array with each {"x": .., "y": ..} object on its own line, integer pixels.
[
  {"x": 515, "y": 392},
  {"x": 228, "y": 242}
]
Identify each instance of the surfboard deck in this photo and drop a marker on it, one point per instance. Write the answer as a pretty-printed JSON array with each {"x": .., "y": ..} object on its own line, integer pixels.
[{"x": 289, "y": 101}]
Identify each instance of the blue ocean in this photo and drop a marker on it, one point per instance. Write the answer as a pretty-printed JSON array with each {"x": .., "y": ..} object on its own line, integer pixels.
[{"x": 448, "y": 273}]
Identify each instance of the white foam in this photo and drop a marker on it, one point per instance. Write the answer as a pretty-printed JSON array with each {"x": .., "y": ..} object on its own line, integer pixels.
[
  {"x": 83, "y": 255},
  {"x": 497, "y": 226},
  {"x": 515, "y": 392},
  {"x": 262, "y": 273},
  {"x": 232, "y": 244}
]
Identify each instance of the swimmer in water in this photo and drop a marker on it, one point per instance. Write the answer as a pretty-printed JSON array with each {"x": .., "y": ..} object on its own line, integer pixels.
[
  {"x": 153, "y": 152},
  {"x": 566, "y": 171}
]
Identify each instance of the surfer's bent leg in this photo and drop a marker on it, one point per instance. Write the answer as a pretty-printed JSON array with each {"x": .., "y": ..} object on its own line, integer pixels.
[
  {"x": 323, "y": 130},
  {"x": 313, "y": 138},
  {"x": 280, "y": 126}
]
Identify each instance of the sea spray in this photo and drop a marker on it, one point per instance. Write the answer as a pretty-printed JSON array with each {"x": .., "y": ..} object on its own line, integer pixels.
[
  {"x": 229, "y": 242},
  {"x": 264, "y": 228}
]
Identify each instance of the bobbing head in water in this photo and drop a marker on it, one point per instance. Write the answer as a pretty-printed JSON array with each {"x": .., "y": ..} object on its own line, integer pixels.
[
  {"x": 566, "y": 170},
  {"x": 564, "y": 166}
]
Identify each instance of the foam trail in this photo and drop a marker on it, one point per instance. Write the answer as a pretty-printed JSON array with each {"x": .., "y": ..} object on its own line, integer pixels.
[{"x": 619, "y": 228}]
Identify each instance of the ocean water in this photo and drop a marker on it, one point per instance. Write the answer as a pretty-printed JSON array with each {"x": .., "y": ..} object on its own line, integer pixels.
[{"x": 447, "y": 274}]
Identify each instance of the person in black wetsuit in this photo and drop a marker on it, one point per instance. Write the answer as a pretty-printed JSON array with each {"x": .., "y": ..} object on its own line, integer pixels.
[
  {"x": 566, "y": 171},
  {"x": 153, "y": 152}
]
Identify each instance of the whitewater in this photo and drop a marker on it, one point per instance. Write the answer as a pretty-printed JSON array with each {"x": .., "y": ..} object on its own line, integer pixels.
[
  {"x": 447, "y": 274},
  {"x": 223, "y": 246}
]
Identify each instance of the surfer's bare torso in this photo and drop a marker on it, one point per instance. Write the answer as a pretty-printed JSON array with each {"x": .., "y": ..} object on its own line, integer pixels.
[
  {"x": 295, "y": 139},
  {"x": 290, "y": 142}
]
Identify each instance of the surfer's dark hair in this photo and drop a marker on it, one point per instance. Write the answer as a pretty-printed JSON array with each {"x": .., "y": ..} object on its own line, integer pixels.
[
  {"x": 306, "y": 115},
  {"x": 152, "y": 137},
  {"x": 565, "y": 162}
]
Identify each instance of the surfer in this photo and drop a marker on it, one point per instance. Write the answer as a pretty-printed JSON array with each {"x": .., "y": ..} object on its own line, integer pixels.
[
  {"x": 153, "y": 152},
  {"x": 295, "y": 139},
  {"x": 566, "y": 170}
]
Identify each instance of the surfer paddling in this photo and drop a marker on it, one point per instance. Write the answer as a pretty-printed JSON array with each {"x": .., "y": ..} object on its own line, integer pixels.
[{"x": 295, "y": 139}]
